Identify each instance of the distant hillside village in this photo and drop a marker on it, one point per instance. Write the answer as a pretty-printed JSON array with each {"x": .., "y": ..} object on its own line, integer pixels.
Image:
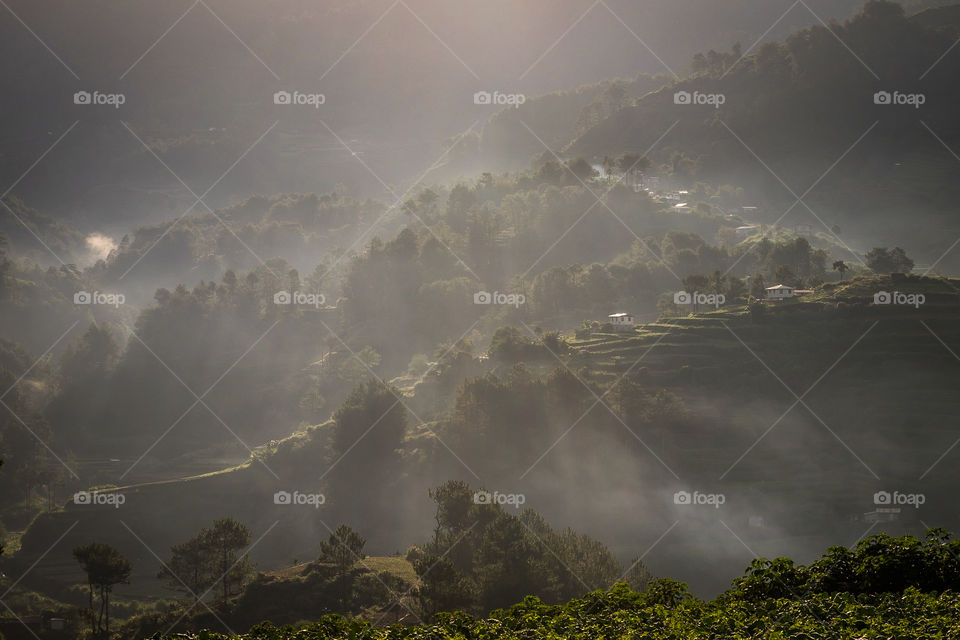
[{"x": 623, "y": 321}]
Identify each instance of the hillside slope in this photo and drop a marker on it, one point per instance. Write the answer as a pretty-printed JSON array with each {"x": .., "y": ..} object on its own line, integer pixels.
[
  {"x": 864, "y": 431},
  {"x": 802, "y": 113}
]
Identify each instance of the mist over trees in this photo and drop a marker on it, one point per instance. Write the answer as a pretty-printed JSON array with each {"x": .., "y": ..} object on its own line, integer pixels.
[{"x": 324, "y": 321}]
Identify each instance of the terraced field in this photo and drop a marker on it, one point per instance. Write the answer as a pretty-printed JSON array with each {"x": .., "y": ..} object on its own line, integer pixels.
[{"x": 829, "y": 396}]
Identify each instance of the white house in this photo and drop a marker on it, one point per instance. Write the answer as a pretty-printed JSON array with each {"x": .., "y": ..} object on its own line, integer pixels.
[
  {"x": 746, "y": 231},
  {"x": 780, "y": 291},
  {"x": 622, "y": 321}
]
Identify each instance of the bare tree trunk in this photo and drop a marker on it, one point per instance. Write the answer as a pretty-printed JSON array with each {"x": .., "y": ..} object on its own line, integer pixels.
[
  {"x": 92, "y": 611},
  {"x": 225, "y": 572},
  {"x": 102, "y": 602}
]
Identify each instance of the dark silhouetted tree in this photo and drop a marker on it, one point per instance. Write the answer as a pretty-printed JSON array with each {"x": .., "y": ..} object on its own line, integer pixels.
[
  {"x": 224, "y": 541},
  {"x": 841, "y": 267},
  {"x": 105, "y": 567},
  {"x": 342, "y": 549}
]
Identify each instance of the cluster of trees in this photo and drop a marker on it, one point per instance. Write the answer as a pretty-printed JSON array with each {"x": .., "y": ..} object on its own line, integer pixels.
[
  {"x": 343, "y": 549},
  {"x": 212, "y": 561},
  {"x": 109, "y": 381},
  {"x": 637, "y": 279},
  {"x": 488, "y": 410},
  {"x": 370, "y": 426},
  {"x": 558, "y": 118},
  {"x": 419, "y": 286},
  {"x": 215, "y": 557},
  {"x": 481, "y": 557},
  {"x": 17, "y": 233},
  {"x": 878, "y": 564},
  {"x": 295, "y": 226},
  {"x": 23, "y": 430},
  {"x": 884, "y": 261},
  {"x": 811, "y": 83}
]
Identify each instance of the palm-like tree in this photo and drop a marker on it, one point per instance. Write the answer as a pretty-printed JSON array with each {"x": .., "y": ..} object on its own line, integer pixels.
[{"x": 840, "y": 266}]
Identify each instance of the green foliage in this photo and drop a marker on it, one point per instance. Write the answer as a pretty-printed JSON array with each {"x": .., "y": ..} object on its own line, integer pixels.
[
  {"x": 666, "y": 592},
  {"x": 879, "y": 564},
  {"x": 621, "y": 613},
  {"x": 902, "y": 588}
]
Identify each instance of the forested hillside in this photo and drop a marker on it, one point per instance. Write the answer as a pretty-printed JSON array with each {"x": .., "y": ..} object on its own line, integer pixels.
[
  {"x": 801, "y": 115},
  {"x": 407, "y": 319}
]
